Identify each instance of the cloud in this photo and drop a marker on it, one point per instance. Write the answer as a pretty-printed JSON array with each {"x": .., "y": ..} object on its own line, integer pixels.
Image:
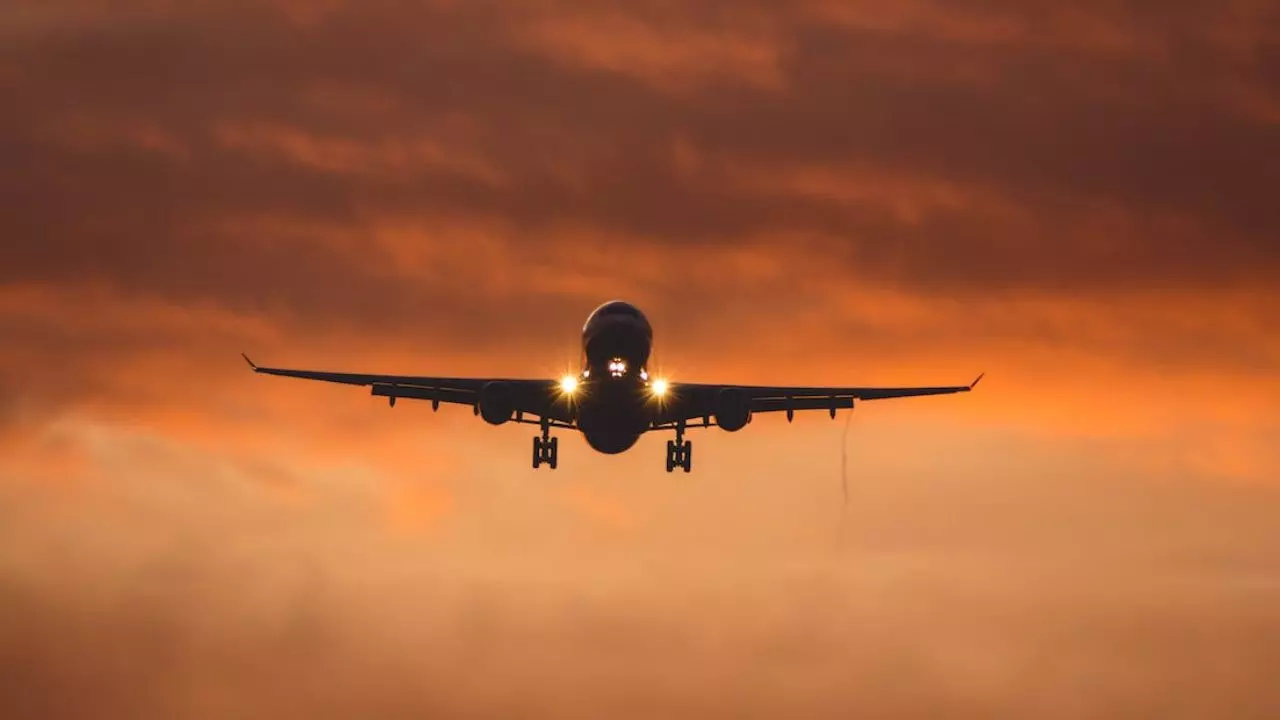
[
  {"x": 1122, "y": 170},
  {"x": 673, "y": 56},
  {"x": 185, "y": 563}
]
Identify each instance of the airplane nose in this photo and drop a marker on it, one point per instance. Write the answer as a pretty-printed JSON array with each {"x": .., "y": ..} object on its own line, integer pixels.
[{"x": 617, "y": 338}]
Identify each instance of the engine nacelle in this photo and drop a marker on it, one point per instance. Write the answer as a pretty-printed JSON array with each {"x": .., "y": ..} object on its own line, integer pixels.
[
  {"x": 497, "y": 403},
  {"x": 733, "y": 409}
]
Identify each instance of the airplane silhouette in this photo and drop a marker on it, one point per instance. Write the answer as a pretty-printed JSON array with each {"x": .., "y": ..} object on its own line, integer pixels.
[{"x": 613, "y": 400}]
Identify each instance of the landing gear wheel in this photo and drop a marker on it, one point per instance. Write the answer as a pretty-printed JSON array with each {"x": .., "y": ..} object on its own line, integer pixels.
[
  {"x": 679, "y": 455},
  {"x": 546, "y": 449}
]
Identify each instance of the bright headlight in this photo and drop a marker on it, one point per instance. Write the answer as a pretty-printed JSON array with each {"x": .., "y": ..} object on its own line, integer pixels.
[
  {"x": 568, "y": 384},
  {"x": 659, "y": 387}
]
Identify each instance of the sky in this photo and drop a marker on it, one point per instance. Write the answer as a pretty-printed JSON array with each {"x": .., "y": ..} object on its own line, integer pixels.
[{"x": 1076, "y": 198}]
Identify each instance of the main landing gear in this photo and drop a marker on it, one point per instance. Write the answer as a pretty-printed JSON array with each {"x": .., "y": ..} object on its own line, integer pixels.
[
  {"x": 546, "y": 449},
  {"x": 679, "y": 451}
]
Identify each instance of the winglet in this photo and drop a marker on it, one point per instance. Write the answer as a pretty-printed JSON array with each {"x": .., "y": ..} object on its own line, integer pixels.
[
  {"x": 246, "y": 359},
  {"x": 973, "y": 384}
]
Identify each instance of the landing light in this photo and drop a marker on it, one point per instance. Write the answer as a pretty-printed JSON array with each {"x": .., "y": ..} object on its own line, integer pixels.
[
  {"x": 659, "y": 387},
  {"x": 568, "y": 384},
  {"x": 617, "y": 368}
]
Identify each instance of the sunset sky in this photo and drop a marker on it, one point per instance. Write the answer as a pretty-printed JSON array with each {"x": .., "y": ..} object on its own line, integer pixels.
[{"x": 1079, "y": 199}]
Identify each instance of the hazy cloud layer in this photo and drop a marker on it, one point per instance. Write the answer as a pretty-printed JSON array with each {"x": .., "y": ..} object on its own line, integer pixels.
[{"x": 218, "y": 584}]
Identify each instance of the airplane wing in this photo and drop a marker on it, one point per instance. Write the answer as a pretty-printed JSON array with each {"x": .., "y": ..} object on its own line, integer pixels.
[
  {"x": 541, "y": 398},
  {"x": 697, "y": 402}
]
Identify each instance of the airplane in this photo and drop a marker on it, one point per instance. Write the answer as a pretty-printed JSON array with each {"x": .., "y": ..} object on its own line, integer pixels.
[{"x": 613, "y": 399}]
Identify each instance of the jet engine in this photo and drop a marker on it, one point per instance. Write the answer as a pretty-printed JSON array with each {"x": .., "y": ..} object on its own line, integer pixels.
[
  {"x": 733, "y": 409},
  {"x": 497, "y": 403}
]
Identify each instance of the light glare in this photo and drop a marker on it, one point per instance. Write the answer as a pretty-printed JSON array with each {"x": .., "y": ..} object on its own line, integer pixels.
[
  {"x": 659, "y": 387},
  {"x": 568, "y": 384}
]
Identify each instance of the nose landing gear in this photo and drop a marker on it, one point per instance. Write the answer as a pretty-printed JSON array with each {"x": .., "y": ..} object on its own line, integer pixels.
[
  {"x": 679, "y": 451},
  {"x": 546, "y": 449}
]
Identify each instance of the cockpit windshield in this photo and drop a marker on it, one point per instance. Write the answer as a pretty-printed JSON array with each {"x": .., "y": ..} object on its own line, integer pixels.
[
  {"x": 620, "y": 308},
  {"x": 613, "y": 311}
]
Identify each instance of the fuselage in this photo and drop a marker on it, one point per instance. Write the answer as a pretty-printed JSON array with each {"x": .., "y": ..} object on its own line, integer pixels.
[{"x": 614, "y": 405}]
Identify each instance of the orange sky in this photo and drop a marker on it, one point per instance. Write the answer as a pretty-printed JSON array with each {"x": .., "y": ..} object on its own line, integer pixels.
[{"x": 1077, "y": 199}]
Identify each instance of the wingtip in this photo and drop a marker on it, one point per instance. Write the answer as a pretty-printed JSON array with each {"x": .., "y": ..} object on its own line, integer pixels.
[
  {"x": 974, "y": 384},
  {"x": 251, "y": 365}
]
